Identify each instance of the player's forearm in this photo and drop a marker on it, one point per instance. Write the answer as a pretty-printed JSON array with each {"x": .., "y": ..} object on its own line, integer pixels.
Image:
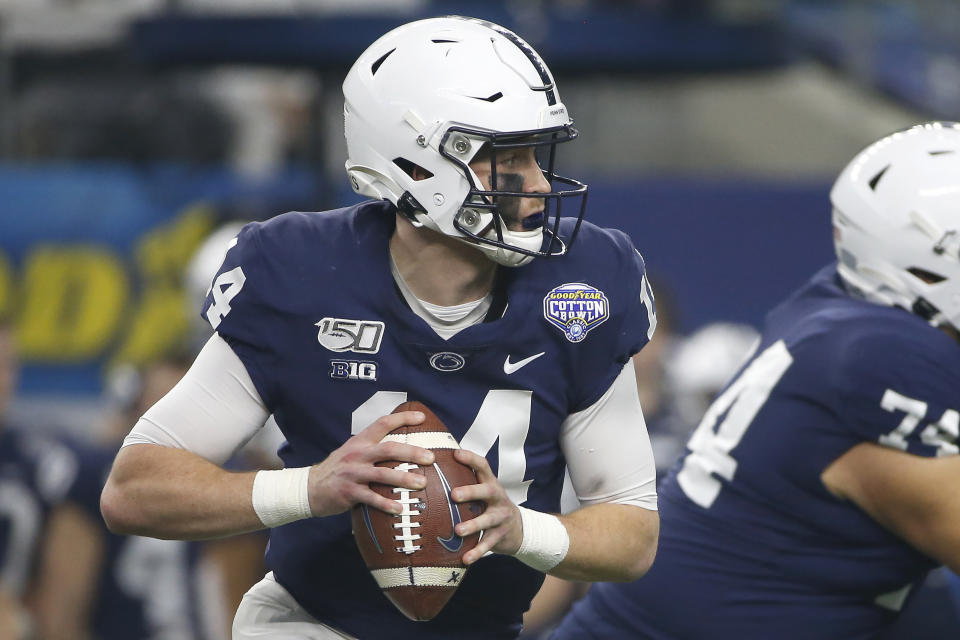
[
  {"x": 164, "y": 492},
  {"x": 71, "y": 562},
  {"x": 609, "y": 543},
  {"x": 15, "y": 623}
]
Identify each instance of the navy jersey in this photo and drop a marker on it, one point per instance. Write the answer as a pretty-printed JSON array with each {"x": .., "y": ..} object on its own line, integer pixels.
[
  {"x": 753, "y": 545},
  {"x": 308, "y": 303},
  {"x": 953, "y": 581},
  {"x": 35, "y": 475},
  {"x": 146, "y": 587}
]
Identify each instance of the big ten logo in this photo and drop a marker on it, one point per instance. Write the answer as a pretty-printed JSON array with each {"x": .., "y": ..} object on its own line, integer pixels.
[
  {"x": 353, "y": 370},
  {"x": 83, "y": 302}
]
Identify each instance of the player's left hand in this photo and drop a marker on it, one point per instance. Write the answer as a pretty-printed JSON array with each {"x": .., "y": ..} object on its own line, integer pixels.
[{"x": 500, "y": 522}]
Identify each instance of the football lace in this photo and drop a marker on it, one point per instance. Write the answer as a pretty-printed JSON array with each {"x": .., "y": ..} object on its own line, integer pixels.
[{"x": 406, "y": 525}]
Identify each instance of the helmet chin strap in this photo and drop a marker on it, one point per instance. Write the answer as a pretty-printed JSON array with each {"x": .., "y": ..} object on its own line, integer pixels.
[
  {"x": 873, "y": 290},
  {"x": 485, "y": 227},
  {"x": 529, "y": 240}
]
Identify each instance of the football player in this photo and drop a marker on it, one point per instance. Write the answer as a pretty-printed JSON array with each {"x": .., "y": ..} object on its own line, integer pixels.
[
  {"x": 459, "y": 285},
  {"x": 819, "y": 487},
  {"x": 111, "y": 587},
  {"x": 36, "y": 473}
]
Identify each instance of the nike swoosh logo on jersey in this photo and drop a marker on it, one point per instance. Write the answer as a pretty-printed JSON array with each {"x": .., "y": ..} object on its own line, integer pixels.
[
  {"x": 511, "y": 367},
  {"x": 454, "y": 542}
]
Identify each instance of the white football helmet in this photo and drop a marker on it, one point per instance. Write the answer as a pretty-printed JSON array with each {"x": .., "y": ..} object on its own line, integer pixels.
[
  {"x": 896, "y": 220},
  {"x": 700, "y": 365},
  {"x": 430, "y": 94}
]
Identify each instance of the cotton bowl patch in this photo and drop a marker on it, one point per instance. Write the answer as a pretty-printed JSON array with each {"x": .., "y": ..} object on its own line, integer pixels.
[{"x": 576, "y": 309}]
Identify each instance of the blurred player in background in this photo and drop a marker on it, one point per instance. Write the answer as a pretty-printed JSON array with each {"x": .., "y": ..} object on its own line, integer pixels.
[
  {"x": 36, "y": 475},
  {"x": 667, "y": 433},
  {"x": 110, "y": 587},
  {"x": 113, "y": 587},
  {"x": 698, "y": 368},
  {"x": 20, "y": 524},
  {"x": 455, "y": 286},
  {"x": 820, "y": 487},
  {"x": 953, "y": 582}
]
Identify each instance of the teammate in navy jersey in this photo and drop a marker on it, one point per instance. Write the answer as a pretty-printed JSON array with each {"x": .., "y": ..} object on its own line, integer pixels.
[
  {"x": 954, "y": 583},
  {"x": 35, "y": 475},
  {"x": 819, "y": 487},
  {"x": 458, "y": 285},
  {"x": 109, "y": 587},
  {"x": 114, "y": 587}
]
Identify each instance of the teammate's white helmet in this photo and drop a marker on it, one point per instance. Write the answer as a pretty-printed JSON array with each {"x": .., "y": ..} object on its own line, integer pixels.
[
  {"x": 430, "y": 94},
  {"x": 896, "y": 219},
  {"x": 702, "y": 364}
]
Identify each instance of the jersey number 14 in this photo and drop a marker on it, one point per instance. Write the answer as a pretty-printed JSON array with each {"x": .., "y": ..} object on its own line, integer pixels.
[{"x": 504, "y": 416}]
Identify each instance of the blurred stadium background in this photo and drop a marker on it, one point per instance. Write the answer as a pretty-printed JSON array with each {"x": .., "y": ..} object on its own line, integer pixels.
[{"x": 711, "y": 131}]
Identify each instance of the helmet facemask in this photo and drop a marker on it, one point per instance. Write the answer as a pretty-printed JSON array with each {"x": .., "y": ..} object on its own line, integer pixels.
[{"x": 486, "y": 215}]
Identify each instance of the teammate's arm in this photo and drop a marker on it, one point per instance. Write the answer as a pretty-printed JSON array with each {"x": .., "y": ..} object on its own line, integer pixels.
[
  {"x": 613, "y": 537},
  {"x": 72, "y": 557},
  {"x": 15, "y": 622},
  {"x": 166, "y": 482},
  {"x": 912, "y": 496}
]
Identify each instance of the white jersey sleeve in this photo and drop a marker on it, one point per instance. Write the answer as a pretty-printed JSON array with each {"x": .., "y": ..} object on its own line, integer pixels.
[
  {"x": 213, "y": 411},
  {"x": 607, "y": 448}
]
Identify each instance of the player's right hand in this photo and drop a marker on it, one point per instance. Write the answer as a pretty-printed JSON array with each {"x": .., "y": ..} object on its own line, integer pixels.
[{"x": 343, "y": 479}]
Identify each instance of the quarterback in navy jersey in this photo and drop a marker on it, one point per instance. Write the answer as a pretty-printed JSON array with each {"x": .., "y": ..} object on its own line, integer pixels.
[
  {"x": 817, "y": 491},
  {"x": 457, "y": 285}
]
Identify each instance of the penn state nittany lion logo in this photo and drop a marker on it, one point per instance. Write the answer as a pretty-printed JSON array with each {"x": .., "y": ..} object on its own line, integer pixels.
[{"x": 576, "y": 309}]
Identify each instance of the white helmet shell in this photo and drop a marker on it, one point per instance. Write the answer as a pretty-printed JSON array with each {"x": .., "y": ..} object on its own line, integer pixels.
[
  {"x": 896, "y": 219},
  {"x": 431, "y": 93}
]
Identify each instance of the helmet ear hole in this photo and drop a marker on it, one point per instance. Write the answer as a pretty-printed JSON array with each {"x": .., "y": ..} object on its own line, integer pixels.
[
  {"x": 412, "y": 169},
  {"x": 926, "y": 276}
]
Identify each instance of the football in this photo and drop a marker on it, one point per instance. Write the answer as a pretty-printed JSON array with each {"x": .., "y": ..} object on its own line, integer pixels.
[{"x": 415, "y": 556}]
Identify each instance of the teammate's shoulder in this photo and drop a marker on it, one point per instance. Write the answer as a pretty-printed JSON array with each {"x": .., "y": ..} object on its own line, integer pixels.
[
  {"x": 824, "y": 310},
  {"x": 898, "y": 337},
  {"x": 865, "y": 343},
  {"x": 49, "y": 464}
]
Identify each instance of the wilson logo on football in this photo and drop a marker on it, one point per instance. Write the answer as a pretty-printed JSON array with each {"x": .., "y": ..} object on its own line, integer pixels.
[{"x": 340, "y": 334}]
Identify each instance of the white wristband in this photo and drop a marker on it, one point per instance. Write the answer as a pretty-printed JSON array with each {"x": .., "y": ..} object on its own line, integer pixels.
[
  {"x": 282, "y": 496},
  {"x": 545, "y": 540}
]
